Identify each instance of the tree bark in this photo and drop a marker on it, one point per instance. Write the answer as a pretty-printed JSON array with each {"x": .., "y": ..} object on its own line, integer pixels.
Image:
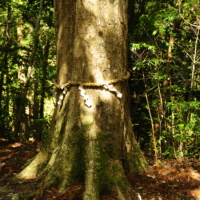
[
  {"x": 94, "y": 143},
  {"x": 4, "y": 76}
]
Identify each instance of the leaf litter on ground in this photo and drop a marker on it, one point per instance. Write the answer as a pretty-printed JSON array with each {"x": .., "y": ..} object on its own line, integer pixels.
[{"x": 170, "y": 180}]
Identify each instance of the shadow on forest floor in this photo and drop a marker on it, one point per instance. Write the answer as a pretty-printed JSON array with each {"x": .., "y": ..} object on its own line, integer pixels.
[{"x": 171, "y": 180}]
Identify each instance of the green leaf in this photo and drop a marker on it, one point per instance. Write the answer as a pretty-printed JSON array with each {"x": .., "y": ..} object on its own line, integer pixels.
[{"x": 154, "y": 32}]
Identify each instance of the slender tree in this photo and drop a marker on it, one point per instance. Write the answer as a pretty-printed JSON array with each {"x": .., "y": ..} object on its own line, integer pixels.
[
  {"x": 4, "y": 77},
  {"x": 21, "y": 117},
  {"x": 91, "y": 136}
]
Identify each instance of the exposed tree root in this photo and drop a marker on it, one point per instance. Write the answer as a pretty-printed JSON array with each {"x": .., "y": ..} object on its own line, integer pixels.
[
  {"x": 24, "y": 196},
  {"x": 100, "y": 170},
  {"x": 83, "y": 149},
  {"x": 32, "y": 170}
]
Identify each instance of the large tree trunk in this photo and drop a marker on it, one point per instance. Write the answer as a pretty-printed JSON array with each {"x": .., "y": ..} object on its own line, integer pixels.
[{"x": 94, "y": 143}]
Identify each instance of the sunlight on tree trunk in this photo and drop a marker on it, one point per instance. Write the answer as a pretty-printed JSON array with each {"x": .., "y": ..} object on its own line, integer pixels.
[{"x": 91, "y": 135}]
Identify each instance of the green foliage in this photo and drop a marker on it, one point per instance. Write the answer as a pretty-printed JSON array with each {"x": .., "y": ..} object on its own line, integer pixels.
[
  {"x": 164, "y": 57},
  {"x": 18, "y": 28}
]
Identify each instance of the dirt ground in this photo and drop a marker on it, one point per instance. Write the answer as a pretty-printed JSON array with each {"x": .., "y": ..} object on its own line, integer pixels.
[{"x": 170, "y": 180}]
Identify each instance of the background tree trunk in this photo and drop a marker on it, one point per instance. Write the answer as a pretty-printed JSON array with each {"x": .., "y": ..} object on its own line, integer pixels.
[
  {"x": 91, "y": 143},
  {"x": 19, "y": 125},
  {"x": 4, "y": 76}
]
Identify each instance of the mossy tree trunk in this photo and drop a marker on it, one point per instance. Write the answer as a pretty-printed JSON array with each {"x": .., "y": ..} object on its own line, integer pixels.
[{"x": 91, "y": 143}]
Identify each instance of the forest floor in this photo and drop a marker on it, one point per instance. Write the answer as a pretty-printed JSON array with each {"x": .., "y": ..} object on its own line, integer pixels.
[{"x": 170, "y": 180}]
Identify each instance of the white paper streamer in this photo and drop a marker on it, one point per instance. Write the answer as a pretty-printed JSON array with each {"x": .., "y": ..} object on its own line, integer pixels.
[
  {"x": 65, "y": 91},
  {"x": 80, "y": 87},
  {"x": 112, "y": 89},
  {"x": 85, "y": 97},
  {"x": 119, "y": 95},
  {"x": 88, "y": 103},
  {"x": 61, "y": 97}
]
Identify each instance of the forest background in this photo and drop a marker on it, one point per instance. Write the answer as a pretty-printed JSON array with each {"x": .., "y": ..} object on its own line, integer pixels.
[{"x": 163, "y": 61}]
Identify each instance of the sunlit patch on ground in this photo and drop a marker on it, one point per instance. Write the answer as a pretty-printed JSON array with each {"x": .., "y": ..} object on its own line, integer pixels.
[{"x": 16, "y": 144}]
